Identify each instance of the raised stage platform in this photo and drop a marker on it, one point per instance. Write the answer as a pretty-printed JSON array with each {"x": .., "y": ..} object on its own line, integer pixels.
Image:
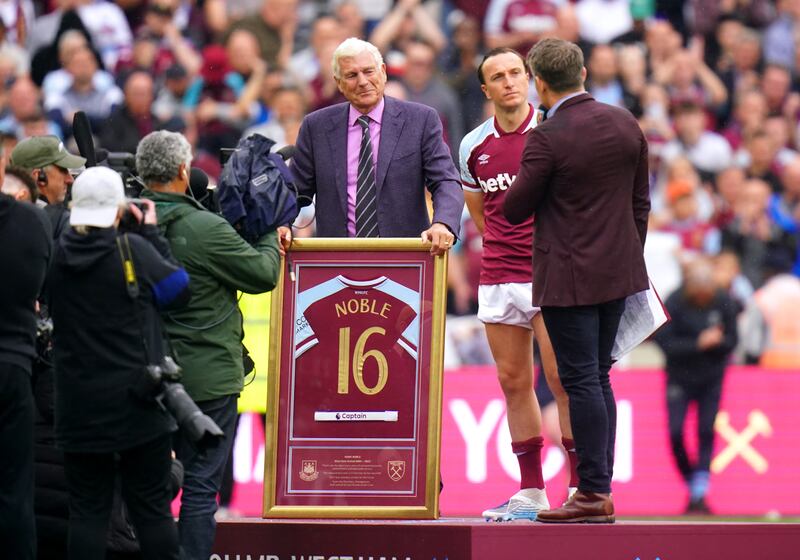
[{"x": 473, "y": 539}]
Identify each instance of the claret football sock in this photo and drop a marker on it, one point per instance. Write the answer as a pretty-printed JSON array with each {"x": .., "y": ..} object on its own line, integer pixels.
[
  {"x": 529, "y": 455},
  {"x": 569, "y": 446}
]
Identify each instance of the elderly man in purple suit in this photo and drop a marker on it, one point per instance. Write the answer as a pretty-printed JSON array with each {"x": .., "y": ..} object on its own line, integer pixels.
[{"x": 368, "y": 161}]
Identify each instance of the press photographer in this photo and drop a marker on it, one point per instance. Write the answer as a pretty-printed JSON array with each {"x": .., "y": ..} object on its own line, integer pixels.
[
  {"x": 104, "y": 342},
  {"x": 49, "y": 163},
  {"x": 207, "y": 334}
]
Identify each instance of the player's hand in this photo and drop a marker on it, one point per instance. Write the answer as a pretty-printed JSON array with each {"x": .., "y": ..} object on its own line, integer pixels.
[
  {"x": 440, "y": 238},
  {"x": 284, "y": 239}
]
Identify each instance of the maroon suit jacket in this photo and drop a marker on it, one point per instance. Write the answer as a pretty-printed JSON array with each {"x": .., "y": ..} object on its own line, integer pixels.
[{"x": 584, "y": 174}]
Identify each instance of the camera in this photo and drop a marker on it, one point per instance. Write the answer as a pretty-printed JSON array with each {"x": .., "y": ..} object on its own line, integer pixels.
[
  {"x": 128, "y": 222},
  {"x": 124, "y": 164},
  {"x": 161, "y": 383}
]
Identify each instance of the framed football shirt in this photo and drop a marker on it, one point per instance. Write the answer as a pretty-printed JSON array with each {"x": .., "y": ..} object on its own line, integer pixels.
[{"x": 354, "y": 398}]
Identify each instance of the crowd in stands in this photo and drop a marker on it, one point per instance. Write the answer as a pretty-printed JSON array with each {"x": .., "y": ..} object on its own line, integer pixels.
[{"x": 712, "y": 82}]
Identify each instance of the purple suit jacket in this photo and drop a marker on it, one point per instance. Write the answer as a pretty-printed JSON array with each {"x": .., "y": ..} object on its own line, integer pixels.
[
  {"x": 411, "y": 157},
  {"x": 584, "y": 173}
]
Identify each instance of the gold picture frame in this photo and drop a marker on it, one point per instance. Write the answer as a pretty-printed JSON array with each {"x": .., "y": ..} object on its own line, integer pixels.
[{"x": 321, "y": 258}]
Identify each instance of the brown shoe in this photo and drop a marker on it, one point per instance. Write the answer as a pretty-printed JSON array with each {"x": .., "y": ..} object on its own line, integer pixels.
[{"x": 582, "y": 507}]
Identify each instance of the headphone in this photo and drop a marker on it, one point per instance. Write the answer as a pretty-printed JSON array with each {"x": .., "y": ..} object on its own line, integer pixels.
[{"x": 41, "y": 176}]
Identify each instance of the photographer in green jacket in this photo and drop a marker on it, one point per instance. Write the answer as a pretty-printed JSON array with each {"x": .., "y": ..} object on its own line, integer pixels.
[{"x": 206, "y": 336}]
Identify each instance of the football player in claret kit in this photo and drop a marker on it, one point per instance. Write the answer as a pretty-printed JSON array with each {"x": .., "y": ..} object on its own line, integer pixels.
[{"x": 489, "y": 160}]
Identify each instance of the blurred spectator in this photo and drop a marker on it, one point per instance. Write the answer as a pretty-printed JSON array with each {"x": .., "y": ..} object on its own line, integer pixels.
[
  {"x": 242, "y": 51},
  {"x": 461, "y": 63},
  {"x": 749, "y": 112},
  {"x": 728, "y": 276},
  {"x": 684, "y": 218},
  {"x": 272, "y": 82},
  {"x": 324, "y": 90},
  {"x": 86, "y": 93},
  {"x": 47, "y": 58},
  {"x": 697, "y": 344},
  {"x": 10, "y": 12},
  {"x": 288, "y": 107},
  {"x": 160, "y": 44},
  {"x": 719, "y": 52},
  {"x": 751, "y": 235},
  {"x": 425, "y": 87},
  {"x": 680, "y": 170},
  {"x": 519, "y": 24},
  {"x": 568, "y": 28},
  {"x": 350, "y": 18},
  {"x": 784, "y": 208},
  {"x": 601, "y": 21},
  {"x": 707, "y": 150},
  {"x": 58, "y": 81},
  {"x": 274, "y": 26},
  {"x": 13, "y": 52},
  {"x": 741, "y": 74},
  {"x": 25, "y": 107},
  {"x": 758, "y": 159},
  {"x": 308, "y": 63},
  {"x": 396, "y": 89},
  {"x": 219, "y": 14},
  {"x": 134, "y": 118},
  {"x": 655, "y": 123},
  {"x": 729, "y": 184},
  {"x": 632, "y": 68},
  {"x": 779, "y": 39},
  {"x": 407, "y": 22},
  {"x": 705, "y": 15},
  {"x": 776, "y": 83},
  {"x": 770, "y": 324},
  {"x": 689, "y": 80},
  {"x": 168, "y": 103},
  {"x": 662, "y": 43},
  {"x": 475, "y": 9},
  {"x": 223, "y": 104},
  {"x": 105, "y": 22},
  {"x": 603, "y": 80},
  {"x": 372, "y": 11},
  {"x": 779, "y": 132}
]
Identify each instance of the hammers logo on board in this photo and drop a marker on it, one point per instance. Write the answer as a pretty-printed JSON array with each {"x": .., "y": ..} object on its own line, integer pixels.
[
  {"x": 397, "y": 469},
  {"x": 309, "y": 471}
]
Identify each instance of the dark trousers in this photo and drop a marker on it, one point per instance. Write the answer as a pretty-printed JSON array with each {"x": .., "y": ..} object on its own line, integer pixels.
[
  {"x": 144, "y": 472},
  {"x": 707, "y": 396},
  {"x": 202, "y": 480},
  {"x": 17, "y": 522},
  {"x": 583, "y": 338}
]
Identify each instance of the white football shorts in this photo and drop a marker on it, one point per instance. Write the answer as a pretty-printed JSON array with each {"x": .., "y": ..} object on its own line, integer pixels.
[{"x": 509, "y": 304}]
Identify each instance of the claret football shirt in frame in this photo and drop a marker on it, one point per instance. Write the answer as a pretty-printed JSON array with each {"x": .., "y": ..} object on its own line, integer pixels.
[
  {"x": 489, "y": 162},
  {"x": 355, "y": 350}
]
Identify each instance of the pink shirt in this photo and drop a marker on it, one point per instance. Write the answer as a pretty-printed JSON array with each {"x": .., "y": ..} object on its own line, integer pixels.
[{"x": 353, "y": 148}]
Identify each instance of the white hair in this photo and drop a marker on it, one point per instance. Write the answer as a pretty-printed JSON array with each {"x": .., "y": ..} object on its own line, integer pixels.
[{"x": 353, "y": 47}]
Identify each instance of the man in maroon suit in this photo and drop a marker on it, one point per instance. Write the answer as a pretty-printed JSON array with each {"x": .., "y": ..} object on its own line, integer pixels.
[{"x": 584, "y": 173}]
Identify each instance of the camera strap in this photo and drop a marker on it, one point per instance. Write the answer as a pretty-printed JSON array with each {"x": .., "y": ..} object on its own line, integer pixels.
[
  {"x": 132, "y": 285},
  {"x": 128, "y": 269}
]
